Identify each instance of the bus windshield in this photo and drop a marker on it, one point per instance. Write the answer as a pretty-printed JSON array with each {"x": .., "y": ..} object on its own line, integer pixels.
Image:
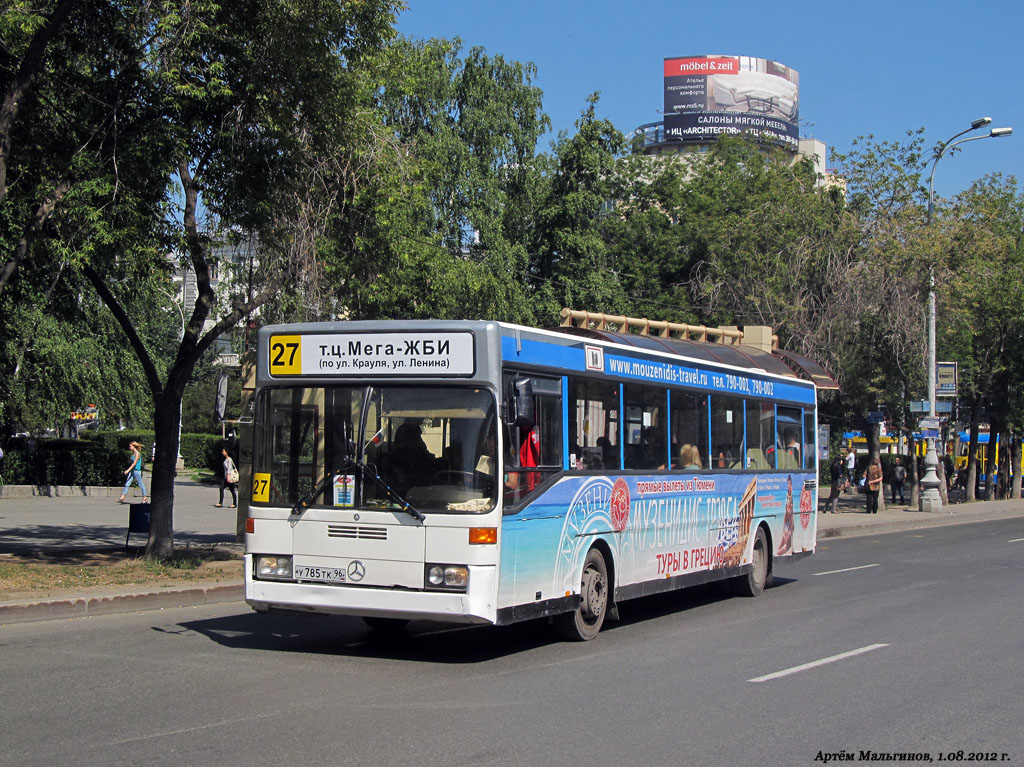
[{"x": 432, "y": 446}]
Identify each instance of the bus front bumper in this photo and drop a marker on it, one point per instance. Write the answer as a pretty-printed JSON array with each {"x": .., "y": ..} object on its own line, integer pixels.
[{"x": 475, "y": 606}]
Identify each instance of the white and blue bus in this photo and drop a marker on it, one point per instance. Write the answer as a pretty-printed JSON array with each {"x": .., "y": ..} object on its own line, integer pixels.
[{"x": 481, "y": 472}]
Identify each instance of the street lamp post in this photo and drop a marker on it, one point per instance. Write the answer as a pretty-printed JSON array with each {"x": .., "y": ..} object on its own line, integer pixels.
[{"x": 930, "y": 498}]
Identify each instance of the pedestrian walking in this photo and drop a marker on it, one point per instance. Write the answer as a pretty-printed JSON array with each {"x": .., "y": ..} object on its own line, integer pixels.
[
  {"x": 899, "y": 476},
  {"x": 873, "y": 484},
  {"x": 838, "y": 477},
  {"x": 851, "y": 466},
  {"x": 229, "y": 480},
  {"x": 134, "y": 473},
  {"x": 947, "y": 465}
]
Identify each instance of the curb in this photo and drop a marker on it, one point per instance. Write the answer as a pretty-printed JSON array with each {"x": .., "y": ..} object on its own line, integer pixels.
[
  {"x": 928, "y": 520},
  {"x": 58, "y": 491},
  {"x": 81, "y": 607}
]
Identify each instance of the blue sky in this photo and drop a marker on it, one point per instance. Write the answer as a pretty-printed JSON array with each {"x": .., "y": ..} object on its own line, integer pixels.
[{"x": 865, "y": 67}]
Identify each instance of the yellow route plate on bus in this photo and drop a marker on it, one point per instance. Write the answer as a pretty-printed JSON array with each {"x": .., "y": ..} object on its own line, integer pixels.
[
  {"x": 261, "y": 487},
  {"x": 400, "y": 353},
  {"x": 286, "y": 355}
]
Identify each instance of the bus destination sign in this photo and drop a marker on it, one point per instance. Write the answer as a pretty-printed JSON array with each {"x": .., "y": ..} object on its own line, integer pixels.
[{"x": 406, "y": 353}]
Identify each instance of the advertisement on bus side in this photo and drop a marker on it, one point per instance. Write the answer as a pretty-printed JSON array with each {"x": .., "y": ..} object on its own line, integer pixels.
[{"x": 657, "y": 526}]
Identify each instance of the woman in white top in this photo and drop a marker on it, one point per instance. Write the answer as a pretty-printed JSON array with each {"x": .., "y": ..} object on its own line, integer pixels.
[{"x": 230, "y": 480}]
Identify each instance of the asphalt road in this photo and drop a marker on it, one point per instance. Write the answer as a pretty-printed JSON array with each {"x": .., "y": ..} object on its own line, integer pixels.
[{"x": 927, "y": 625}]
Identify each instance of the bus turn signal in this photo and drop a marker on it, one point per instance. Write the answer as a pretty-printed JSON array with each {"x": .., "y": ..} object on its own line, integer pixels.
[{"x": 483, "y": 535}]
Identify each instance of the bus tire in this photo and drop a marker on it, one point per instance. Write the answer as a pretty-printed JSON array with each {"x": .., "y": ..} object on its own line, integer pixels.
[
  {"x": 385, "y": 625},
  {"x": 752, "y": 583},
  {"x": 584, "y": 623}
]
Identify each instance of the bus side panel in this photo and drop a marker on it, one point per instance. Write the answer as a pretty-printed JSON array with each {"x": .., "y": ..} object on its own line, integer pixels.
[{"x": 656, "y": 526}]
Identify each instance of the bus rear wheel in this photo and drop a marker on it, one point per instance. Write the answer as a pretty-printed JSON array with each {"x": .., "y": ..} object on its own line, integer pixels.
[
  {"x": 752, "y": 583},
  {"x": 584, "y": 623}
]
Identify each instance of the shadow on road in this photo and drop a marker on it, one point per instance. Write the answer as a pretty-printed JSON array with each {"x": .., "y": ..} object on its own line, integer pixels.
[
  {"x": 52, "y": 542},
  {"x": 425, "y": 641}
]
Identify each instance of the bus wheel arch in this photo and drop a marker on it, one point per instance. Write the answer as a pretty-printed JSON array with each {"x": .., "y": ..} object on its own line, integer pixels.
[
  {"x": 753, "y": 582},
  {"x": 584, "y": 622},
  {"x": 609, "y": 561},
  {"x": 771, "y": 558}
]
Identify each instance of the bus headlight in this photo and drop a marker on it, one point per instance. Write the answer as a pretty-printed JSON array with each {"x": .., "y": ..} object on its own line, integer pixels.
[
  {"x": 447, "y": 577},
  {"x": 273, "y": 567}
]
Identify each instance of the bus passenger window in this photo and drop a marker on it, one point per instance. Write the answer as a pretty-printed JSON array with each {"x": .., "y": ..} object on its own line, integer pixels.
[
  {"x": 645, "y": 430},
  {"x": 534, "y": 445},
  {"x": 726, "y": 433},
  {"x": 689, "y": 427},
  {"x": 790, "y": 427},
  {"x": 810, "y": 453},
  {"x": 594, "y": 424},
  {"x": 760, "y": 435}
]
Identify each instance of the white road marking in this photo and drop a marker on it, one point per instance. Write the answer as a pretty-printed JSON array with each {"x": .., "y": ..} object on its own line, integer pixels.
[
  {"x": 848, "y": 569},
  {"x": 1016, "y": 540},
  {"x": 816, "y": 663}
]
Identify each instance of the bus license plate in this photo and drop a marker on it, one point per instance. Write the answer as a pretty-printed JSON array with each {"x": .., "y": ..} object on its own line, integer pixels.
[{"x": 322, "y": 574}]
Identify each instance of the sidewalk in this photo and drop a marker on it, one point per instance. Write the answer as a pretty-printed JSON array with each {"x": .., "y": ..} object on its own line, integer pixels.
[
  {"x": 853, "y": 519},
  {"x": 75, "y": 521}
]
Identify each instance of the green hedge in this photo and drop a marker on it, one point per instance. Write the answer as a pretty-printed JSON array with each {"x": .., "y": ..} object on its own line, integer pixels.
[
  {"x": 198, "y": 451},
  {"x": 120, "y": 440},
  {"x": 62, "y": 463},
  {"x": 202, "y": 451},
  {"x": 99, "y": 460}
]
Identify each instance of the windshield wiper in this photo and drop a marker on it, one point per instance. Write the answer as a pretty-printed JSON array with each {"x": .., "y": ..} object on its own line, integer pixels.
[
  {"x": 304, "y": 503},
  {"x": 300, "y": 507},
  {"x": 377, "y": 480}
]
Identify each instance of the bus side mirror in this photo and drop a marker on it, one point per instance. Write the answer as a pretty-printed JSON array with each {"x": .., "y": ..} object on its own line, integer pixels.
[{"x": 522, "y": 403}]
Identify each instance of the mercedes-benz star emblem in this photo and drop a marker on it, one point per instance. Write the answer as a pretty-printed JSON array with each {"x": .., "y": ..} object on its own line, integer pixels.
[{"x": 356, "y": 570}]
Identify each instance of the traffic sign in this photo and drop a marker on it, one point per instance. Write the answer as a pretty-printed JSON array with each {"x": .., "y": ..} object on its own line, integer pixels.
[
  {"x": 941, "y": 406},
  {"x": 945, "y": 379}
]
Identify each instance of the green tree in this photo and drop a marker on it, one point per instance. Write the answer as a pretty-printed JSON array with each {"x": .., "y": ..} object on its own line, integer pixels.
[
  {"x": 884, "y": 357},
  {"x": 980, "y": 279},
  {"x": 647, "y": 238},
  {"x": 241, "y": 105},
  {"x": 766, "y": 245},
  {"x": 571, "y": 264},
  {"x": 440, "y": 231}
]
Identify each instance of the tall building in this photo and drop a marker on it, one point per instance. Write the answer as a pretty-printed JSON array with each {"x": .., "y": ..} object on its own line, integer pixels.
[{"x": 709, "y": 96}]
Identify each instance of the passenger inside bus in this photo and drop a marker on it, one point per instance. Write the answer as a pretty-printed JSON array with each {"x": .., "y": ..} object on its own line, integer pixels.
[
  {"x": 789, "y": 458},
  {"x": 410, "y": 457},
  {"x": 689, "y": 458},
  {"x": 485, "y": 470},
  {"x": 529, "y": 454}
]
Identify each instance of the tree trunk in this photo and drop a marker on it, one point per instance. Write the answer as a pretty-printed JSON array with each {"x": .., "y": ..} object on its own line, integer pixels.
[
  {"x": 167, "y": 418},
  {"x": 915, "y": 481},
  {"x": 990, "y": 465},
  {"x": 940, "y": 471},
  {"x": 1003, "y": 467},
  {"x": 1015, "y": 461},
  {"x": 972, "y": 452},
  {"x": 18, "y": 85},
  {"x": 871, "y": 435},
  {"x": 35, "y": 225}
]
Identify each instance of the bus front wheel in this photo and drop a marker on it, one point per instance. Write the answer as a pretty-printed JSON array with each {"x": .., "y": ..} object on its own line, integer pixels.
[
  {"x": 585, "y": 621},
  {"x": 752, "y": 583}
]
